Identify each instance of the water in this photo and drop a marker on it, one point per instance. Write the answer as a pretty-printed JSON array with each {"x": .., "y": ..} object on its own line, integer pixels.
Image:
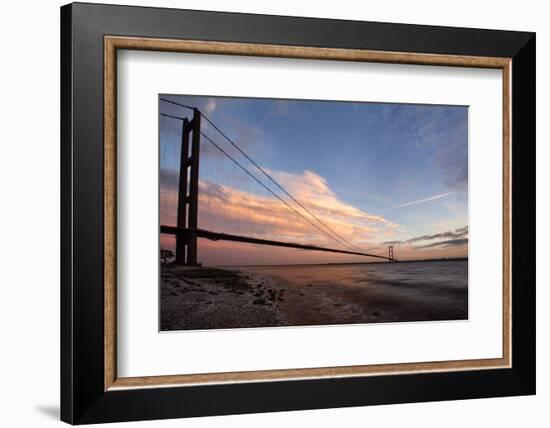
[{"x": 359, "y": 293}]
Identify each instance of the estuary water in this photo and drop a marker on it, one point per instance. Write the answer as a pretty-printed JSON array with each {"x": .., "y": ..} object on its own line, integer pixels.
[{"x": 363, "y": 293}]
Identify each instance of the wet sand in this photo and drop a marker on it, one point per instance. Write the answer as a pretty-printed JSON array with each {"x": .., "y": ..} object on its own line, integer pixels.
[
  {"x": 370, "y": 293},
  {"x": 204, "y": 298}
]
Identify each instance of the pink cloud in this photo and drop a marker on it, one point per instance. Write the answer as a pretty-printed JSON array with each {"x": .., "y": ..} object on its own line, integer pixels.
[{"x": 261, "y": 215}]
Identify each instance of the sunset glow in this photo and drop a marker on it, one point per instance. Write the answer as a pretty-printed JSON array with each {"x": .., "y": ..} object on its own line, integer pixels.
[{"x": 371, "y": 174}]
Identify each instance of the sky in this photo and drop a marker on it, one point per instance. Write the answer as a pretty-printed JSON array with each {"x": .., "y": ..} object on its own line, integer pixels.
[{"x": 361, "y": 175}]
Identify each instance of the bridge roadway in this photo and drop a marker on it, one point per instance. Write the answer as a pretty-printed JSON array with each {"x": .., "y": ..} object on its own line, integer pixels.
[{"x": 215, "y": 236}]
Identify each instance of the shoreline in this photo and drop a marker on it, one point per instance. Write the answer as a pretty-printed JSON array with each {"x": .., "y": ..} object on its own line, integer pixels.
[
  {"x": 212, "y": 298},
  {"x": 238, "y": 297}
]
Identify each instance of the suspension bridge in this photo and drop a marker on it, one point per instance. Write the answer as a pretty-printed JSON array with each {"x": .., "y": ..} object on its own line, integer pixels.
[{"x": 238, "y": 200}]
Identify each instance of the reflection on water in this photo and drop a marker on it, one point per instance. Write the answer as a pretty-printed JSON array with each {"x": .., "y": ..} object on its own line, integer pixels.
[{"x": 377, "y": 292}]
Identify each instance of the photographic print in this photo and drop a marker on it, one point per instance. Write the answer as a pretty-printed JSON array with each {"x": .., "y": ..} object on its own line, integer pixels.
[{"x": 279, "y": 212}]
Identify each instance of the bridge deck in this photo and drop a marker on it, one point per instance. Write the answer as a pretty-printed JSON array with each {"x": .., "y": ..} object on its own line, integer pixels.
[{"x": 215, "y": 236}]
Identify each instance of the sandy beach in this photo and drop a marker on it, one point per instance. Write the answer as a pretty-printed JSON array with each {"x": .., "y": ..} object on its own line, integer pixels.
[{"x": 206, "y": 298}]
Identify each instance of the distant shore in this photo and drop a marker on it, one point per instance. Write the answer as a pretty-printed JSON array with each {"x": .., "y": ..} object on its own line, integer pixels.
[{"x": 450, "y": 259}]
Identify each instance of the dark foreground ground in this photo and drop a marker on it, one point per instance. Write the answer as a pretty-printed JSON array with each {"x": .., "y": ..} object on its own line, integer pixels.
[
  {"x": 205, "y": 298},
  {"x": 210, "y": 298}
]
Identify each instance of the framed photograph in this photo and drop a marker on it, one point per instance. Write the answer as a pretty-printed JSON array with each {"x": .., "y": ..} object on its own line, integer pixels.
[{"x": 267, "y": 213}]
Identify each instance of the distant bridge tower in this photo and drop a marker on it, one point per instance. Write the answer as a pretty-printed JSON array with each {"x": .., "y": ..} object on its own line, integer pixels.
[
  {"x": 188, "y": 192},
  {"x": 390, "y": 254}
]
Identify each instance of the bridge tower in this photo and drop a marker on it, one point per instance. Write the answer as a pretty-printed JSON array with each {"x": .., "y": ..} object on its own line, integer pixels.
[
  {"x": 188, "y": 192},
  {"x": 390, "y": 254}
]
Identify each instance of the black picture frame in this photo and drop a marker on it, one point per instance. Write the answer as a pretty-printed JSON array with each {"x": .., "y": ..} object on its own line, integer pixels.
[{"x": 83, "y": 397}]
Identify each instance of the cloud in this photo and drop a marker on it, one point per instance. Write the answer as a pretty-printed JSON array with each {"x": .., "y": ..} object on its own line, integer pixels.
[
  {"x": 211, "y": 105},
  {"x": 314, "y": 191},
  {"x": 252, "y": 214},
  {"x": 458, "y": 233},
  {"x": 244, "y": 212},
  {"x": 447, "y": 243},
  {"x": 256, "y": 213},
  {"x": 442, "y": 132},
  {"x": 462, "y": 230},
  {"x": 421, "y": 201},
  {"x": 445, "y": 130},
  {"x": 450, "y": 235},
  {"x": 169, "y": 179}
]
